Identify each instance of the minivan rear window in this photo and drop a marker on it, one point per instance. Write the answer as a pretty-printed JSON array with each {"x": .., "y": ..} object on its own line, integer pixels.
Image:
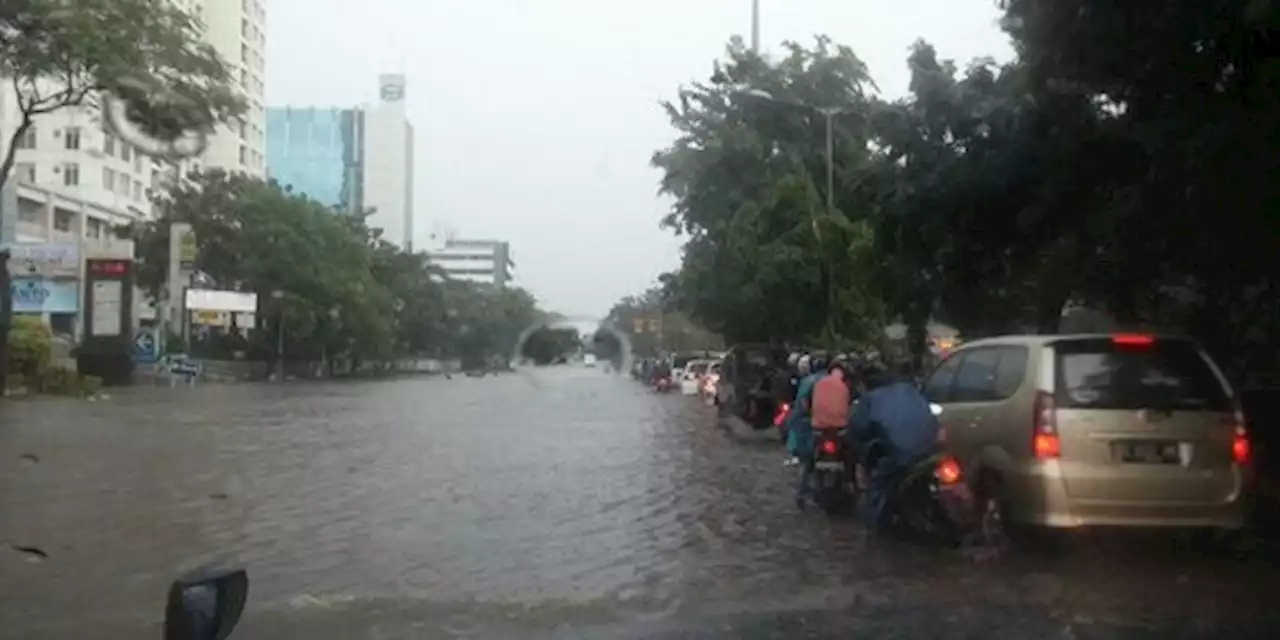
[
  {"x": 697, "y": 367},
  {"x": 1100, "y": 373}
]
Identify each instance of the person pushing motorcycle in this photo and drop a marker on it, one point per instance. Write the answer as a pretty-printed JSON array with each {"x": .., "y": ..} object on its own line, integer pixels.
[{"x": 895, "y": 412}]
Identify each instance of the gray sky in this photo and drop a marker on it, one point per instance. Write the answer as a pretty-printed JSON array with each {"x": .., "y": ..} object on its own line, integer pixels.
[{"x": 536, "y": 119}]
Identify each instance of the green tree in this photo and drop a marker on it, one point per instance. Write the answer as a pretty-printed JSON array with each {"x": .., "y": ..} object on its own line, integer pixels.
[
  {"x": 765, "y": 258},
  {"x": 60, "y": 54}
]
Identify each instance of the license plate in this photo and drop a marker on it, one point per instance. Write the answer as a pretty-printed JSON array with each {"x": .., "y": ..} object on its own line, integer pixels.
[
  {"x": 828, "y": 465},
  {"x": 1150, "y": 452}
]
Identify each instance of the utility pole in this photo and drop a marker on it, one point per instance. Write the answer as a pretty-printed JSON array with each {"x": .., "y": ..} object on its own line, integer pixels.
[{"x": 755, "y": 26}]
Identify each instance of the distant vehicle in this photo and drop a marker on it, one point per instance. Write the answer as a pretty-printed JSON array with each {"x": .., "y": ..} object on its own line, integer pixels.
[
  {"x": 744, "y": 389},
  {"x": 691, "y": 377},
  {"x": 589, "y": 359},
  {"x": 1067, "y": 431}
]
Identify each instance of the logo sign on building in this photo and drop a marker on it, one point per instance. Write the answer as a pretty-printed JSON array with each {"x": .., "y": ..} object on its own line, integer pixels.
[
  {"x": 38, "y": 295},
  {"x": 188, "y": 250},
  {"x": 45, "y": 259},
  {"x": 391, "y": 87}
]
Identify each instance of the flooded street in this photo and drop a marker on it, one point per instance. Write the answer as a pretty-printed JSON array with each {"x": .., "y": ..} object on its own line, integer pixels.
[{"x": 545, "y": 501}]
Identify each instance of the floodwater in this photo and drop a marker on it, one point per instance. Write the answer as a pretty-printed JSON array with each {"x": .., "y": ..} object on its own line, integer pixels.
[{"x": 562, "y": 501}]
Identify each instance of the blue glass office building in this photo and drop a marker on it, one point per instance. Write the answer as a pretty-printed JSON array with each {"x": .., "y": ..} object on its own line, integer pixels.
[{"x": 318, "y": 152}]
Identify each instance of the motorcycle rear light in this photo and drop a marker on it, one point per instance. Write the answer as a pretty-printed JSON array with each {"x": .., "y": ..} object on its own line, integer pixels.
[
  {"x": 781, "y": 414},
  {"x": 829, "y": 447},
  {"x": 948, "y": 471}
]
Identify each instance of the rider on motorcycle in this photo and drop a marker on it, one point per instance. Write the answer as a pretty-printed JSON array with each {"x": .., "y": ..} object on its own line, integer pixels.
[
  {"x": 894, "y": 411},
  {"x": 799, "y": 428}
]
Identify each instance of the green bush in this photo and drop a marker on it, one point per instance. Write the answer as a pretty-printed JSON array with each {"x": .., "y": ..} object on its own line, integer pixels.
[
  {"x": 30, "y": 349},
  {"x": 60, "y": 381}
]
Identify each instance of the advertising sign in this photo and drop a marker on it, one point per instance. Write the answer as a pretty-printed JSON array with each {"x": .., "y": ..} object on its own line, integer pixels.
[
  {"x": 44, "y": 259},
  {"x": 187, "y": 248},
  {"x": 108, "y": 296},
  {"x": 38, "y": 295}
]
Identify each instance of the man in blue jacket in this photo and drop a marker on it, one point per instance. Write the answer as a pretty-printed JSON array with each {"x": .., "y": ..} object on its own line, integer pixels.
[{"x": 895, "y": 411}]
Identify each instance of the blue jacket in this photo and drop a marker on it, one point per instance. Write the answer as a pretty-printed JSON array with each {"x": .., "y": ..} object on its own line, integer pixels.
[
  {"x": 909, "y": 427},
  {"x": 799, "y": 431}
]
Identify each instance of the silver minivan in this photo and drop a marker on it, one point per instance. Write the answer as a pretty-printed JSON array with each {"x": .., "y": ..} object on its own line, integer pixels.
[{"x": 1069, "y": 431}]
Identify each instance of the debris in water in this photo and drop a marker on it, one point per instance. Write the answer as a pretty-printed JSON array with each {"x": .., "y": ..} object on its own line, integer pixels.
[
  {"x": 33, "y": 554},
  {"x": 30, "y": 457}
]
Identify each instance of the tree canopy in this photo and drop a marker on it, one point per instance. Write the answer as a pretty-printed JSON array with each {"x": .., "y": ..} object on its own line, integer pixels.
[
  {"x": 345, "y": 291},
  {"x": 1123, "y": 161}
]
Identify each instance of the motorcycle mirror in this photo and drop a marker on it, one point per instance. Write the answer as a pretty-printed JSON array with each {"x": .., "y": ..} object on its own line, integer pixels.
[
  {"x": 205, "y": 604},
  {"x": 934, "y": 408}
]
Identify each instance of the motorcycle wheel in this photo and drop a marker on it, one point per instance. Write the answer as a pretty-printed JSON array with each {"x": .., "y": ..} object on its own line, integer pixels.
[{"x": 830, "y": 492}]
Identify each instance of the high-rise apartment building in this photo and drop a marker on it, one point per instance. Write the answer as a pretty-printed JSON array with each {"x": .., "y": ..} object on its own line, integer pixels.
[
  {"x": 388, "y": 163},
  {"x": 319, "y": 153},
  {"x": 238, "y": 30}
]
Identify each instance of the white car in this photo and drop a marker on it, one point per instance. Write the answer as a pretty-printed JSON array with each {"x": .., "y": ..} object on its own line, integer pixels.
[{"x": 691, "y": 377}]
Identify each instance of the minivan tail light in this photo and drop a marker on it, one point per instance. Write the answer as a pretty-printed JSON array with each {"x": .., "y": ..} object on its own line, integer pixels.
[
  {"x": 1133, "y": 339},
  {"x": 1044, "y": 438},
  {"x": 1240, "y": 452}
]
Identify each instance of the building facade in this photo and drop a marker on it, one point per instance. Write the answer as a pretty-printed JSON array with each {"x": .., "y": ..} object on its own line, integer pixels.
[
  {"x": 487, "y": 261},
  {"x": 388, "y": 163},
  {"x": 237, "y": 29},
  {"x": 74, "y": 180},
  {"x": 319, "y": 153}
]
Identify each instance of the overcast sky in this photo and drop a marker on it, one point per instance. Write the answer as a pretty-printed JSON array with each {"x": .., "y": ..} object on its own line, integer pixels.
[{"x": 536, "y": 119}]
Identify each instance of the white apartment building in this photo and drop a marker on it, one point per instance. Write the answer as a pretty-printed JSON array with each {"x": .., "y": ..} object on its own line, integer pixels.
[
  {"x": 73, "y": 180},
  {"x": 487, "y": 261},
  {"x": 388, "y": 157},
  {"x": 238, "y": 30}
]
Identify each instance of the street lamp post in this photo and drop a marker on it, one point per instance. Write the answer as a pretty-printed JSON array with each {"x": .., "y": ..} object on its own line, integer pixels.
[
  {"x": 829, "y": 114},
  {"x": 278, "y": 296}
]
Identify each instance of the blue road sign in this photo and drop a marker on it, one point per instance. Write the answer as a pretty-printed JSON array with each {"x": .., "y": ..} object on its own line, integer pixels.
[{"x": 146, "y": 345}]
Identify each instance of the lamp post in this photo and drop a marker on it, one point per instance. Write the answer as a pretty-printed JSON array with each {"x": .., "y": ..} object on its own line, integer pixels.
[
  {"x": 278, "y": 296},
  {"x": 828, "y": 114}
]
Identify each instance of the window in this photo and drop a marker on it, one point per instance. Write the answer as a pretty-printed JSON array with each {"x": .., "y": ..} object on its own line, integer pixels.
[
  {"x": 244, "y": 154},
  {"x": 938, "y": 387},
  {"x": 108, "y": 178},
  {"x": 28, "y": 139},
  {"x": 137, "y": 190},
  {"x": 125, "y": 151},
  {"x": 976, "y": 379},
  {"x": 29, "y": 211},
  {"x": 1166, "y": 374},
  {"x": 137, "y": 163},
  {"x": 71, "y": 138},
  {"x": 25, "y": 172},
  {"x": 71, "y": 174},
  {"x": 1011, "y": 371},
  {"x": 244, "y": 53},
  {"x": 93, "y": 228},
  {"x": 62, "y": 219},
  {"x": 109, "y": 144}
]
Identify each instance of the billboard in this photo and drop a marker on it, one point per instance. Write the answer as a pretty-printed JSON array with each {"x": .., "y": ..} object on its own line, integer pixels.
[{"x": 38, "y": 295}]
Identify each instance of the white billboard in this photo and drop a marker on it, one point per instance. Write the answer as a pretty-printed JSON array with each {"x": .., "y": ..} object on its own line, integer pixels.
[{"x": 211, "y": 300}]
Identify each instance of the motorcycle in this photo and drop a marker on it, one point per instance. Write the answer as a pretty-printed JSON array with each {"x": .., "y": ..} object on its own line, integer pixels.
[
  {"x": 662, "y": 384},
  {"x": 205, "y": 604},
  {"x": 833, "y": 485},
  {"x": 929, "y": 498}
]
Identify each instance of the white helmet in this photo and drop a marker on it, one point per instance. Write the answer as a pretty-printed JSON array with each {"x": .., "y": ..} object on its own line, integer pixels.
[
  {"x": 793, "y": 359},
  {"x": 803, "y": 364}
]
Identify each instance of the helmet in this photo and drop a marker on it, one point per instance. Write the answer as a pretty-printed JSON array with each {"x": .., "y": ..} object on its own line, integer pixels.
[
  {"x": 818, "y": 362},
  {"x": 804, "y": 364},
  {"x": 793, "y": 359}
]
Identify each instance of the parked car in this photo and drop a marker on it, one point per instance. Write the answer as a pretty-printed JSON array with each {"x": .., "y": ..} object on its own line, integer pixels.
[{"x": 1068, "y": 431}]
